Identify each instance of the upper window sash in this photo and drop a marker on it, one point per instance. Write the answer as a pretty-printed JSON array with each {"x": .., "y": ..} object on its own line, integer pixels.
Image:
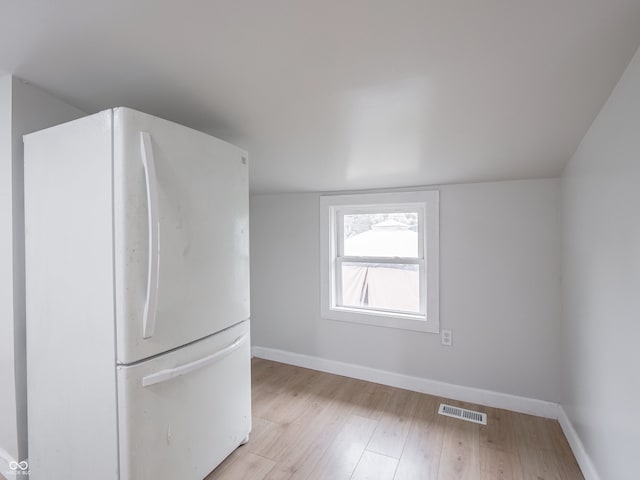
[{"x": 339, "y": 213}]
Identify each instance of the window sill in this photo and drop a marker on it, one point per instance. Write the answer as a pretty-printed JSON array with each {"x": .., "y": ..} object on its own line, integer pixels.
[{"x": 400, "y": 321}]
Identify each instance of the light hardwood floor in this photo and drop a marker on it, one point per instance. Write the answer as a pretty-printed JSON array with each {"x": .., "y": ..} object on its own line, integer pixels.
[{"x": 310, "y": 425}]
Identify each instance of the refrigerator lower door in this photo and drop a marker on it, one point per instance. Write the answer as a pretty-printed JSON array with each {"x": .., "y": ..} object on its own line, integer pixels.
[{"x": 182, "y": 413}]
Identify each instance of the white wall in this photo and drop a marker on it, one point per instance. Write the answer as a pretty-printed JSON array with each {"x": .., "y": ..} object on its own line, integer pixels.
[
  {"x": 8, "y": 427},
  {"x": 23, "y": 109},
  {"x": 601, "y": 284},
  {"x": 499, "y": 290}
]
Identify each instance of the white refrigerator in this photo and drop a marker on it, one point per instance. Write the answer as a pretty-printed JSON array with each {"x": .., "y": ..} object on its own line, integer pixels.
[{"x": 137, "y": 284}]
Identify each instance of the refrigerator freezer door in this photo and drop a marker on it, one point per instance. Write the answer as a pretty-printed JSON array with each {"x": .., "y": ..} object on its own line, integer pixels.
[
  {"x": 181, "y": 219},
  {"x": 182, "y": 413}
]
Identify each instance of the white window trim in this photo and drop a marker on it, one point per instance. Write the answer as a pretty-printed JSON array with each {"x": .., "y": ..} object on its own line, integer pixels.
[{"x": 427, "y": 321}]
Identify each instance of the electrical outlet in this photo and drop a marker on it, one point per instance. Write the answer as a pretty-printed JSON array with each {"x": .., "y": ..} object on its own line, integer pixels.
[{"x": 446, "y": 337}]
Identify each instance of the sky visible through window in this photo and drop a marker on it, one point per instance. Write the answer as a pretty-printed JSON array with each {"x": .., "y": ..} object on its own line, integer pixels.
[{"x": 358, "y": 223}]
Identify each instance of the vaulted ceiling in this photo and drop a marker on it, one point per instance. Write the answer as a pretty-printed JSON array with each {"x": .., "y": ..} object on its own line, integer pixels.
[{"x": 342, "y": 94}]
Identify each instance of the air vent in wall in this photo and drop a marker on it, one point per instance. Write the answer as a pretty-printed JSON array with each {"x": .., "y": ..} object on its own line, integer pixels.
[{"x": 463, "y": 414}]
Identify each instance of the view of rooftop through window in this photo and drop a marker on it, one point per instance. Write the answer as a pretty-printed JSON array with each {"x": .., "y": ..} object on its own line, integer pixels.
[
  {"x": 381, "y": 286},
  {"x": 381, "y": 235}
]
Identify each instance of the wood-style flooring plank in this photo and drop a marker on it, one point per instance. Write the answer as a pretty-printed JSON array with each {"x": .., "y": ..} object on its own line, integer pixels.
[
  {"x": 499, "y": 465},
  {"x": 302, "y": 452},
  {"x": 538, "y": 463},
  {"x": 277, "y": 440},
  {"x": 259, "y": 428},
  {"x": 284, "y": 407},
  {"x": 498, "y": 433},
  {"x": 370, "y": 400},
  {"x": 270, "y": 379},
  {"x": 341, "y": 458},
  {"x": 531, "y": 431},
  {"x": 317, "y": 414},
  {"x": 262, "y": 432},
  {"x": 373, "y": 466},
  {"x": 567, "y": 463},
  {"x": 420, "y": 458},
  {"x": 534, "y": 445},
  {"x": 246, "y": 465},
  {"x": 460, "y": 457},
  {"x": 394, "y": 424}
]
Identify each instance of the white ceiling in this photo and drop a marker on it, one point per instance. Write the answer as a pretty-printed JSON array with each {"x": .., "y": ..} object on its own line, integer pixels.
[{"x": 342, "y": 94}]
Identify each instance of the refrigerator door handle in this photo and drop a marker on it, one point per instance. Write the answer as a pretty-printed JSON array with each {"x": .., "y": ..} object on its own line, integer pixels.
[
  {"x": 170, "y": 373},
  {"x": 151, "y": 301}
]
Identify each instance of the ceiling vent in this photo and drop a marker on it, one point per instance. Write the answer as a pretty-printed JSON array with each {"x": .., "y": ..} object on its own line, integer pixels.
[{"x": 463, "y": 414}]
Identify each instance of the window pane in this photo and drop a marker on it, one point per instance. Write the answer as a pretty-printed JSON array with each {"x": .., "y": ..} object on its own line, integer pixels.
[
  {"x": 381, "y": 235},
  {"x": 381, "y": 286}
]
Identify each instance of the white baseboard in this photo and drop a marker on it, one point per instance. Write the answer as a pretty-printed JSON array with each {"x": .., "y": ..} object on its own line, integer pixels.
[
  {"x": 478, "y": 396},
  {"x": 586, "y": 465}
]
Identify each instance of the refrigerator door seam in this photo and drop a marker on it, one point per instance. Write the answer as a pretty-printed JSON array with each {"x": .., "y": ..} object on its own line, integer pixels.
[{"x": 168, "y": 374}]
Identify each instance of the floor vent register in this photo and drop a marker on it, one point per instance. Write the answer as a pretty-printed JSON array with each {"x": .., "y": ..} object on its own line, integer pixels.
[{"x": 463, "y": 414}]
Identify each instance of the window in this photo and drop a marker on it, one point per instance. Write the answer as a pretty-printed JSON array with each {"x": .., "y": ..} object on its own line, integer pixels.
[{"x": 379, "y": 255}]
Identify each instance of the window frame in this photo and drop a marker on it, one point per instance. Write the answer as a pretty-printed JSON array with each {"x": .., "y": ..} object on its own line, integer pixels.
[{"x": 333, "y": 208}]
